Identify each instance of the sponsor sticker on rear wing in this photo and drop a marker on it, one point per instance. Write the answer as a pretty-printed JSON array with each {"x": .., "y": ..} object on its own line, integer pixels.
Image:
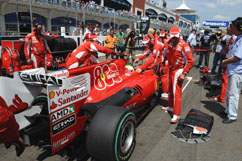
[{"x": 64, "y": 103}]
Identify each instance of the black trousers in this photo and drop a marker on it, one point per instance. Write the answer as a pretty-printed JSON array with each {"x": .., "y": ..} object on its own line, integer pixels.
[{"x": 206, "y": 55}]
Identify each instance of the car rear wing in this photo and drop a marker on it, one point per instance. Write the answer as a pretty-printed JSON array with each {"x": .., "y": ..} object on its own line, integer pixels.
[
  {"x": 64, "y": 104},
  {"x": 65, "y": 97}
]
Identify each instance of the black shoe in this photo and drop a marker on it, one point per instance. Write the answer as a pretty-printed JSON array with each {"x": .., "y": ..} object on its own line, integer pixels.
[{"x": 228, "y": 121}]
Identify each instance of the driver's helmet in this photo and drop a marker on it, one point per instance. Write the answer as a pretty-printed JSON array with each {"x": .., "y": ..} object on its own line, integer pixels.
[{"x": 130, "y": 68}]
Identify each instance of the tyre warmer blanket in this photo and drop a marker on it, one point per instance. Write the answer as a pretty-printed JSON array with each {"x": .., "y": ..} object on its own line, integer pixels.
[{"x": 195, "y": 128}]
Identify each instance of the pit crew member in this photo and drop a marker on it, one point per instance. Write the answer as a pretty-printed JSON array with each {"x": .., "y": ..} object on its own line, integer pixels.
[
  {"x": 163, "y": 37},
  {"x": 9, "y": 134},
  {"x": 36, "y": 48},
  {"x": 180, "y": 61},
  {"x": 149, "y": 42},
  {"x": 85, "y": 51}
]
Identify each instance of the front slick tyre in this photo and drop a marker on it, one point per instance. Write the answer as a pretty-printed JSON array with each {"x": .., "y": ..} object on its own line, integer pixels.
[{"x": 112, "y": 134}]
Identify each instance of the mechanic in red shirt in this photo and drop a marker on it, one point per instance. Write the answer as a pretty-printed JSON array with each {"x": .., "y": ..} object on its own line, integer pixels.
[
  {"x": 163, "y": 37},
  {"x": 180, "y": 61},
  {"x": 154, "y": 55},
  {"x": 9, "y": 134},
  {"x": 85, "y": 51},
  {"x": 149, "y": 42},
  {"x": 36, "y": 48}
]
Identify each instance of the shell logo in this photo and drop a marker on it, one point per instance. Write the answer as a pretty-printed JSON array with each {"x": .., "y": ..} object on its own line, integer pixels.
[{"x": 51, "y": 94}]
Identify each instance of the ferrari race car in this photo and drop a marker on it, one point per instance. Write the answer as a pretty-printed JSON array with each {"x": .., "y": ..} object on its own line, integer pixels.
[{"x": 103, "y": 100}]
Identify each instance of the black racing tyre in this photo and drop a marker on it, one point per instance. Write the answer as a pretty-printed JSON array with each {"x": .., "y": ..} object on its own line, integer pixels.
[
  {"x": 41, "y": 100},
  {"x": 112, "y": 134}
]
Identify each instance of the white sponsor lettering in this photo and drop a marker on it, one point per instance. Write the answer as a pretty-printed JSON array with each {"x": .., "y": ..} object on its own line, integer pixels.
[
  {"x": 213, "y": 23},
  {"x": 66, "y": 91},
  {"x": 39, "y": 78},
  {"x": 62, "y": 113},
  {"x": 63, "y": 124},
  {"x": 63, "y": 101},
  {"x": 62, "y": 74},
  {"x": 63, "y": 140}
]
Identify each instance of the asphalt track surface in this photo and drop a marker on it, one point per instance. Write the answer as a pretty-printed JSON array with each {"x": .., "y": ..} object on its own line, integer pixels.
[{"x": 154, "y": 141}]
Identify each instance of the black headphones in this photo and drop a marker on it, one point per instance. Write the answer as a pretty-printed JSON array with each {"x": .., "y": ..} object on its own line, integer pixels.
[{"x": 238, "y": 23}]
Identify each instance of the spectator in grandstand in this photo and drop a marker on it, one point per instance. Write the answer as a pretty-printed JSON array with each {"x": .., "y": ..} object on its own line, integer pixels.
[
  {"x": 110, "y": 42},
  {"x": 192, "y": 41},
  {"x": 36, "y": 48},
  {"x": 120, "y": 35},
  {"x": 220, "y": 51},
  {"x": 83, "y": 5},
  {"x": 204, "y": 45},
  {"x": 234, "y": 72}
]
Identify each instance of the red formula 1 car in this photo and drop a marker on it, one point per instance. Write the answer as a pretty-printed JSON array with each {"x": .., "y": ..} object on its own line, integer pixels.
[{"x": 105, "y": 100}]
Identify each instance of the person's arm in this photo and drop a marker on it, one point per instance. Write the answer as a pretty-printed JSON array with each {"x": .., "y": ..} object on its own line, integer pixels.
[
  {"x": 144, "y": 55},
  {"x": 189, "y": 39},
  {"x": 232, "y": 59},
  {"x": 106, "y": 41},
  {"x": 189, "y": 61},
  {"x": 147, "y": 63},
  {"x": 27, "y": 49},
  {"x": 85, "y": 37},
  {"x": 98, "y": 48},
  {"x": 116, "y": 38}
]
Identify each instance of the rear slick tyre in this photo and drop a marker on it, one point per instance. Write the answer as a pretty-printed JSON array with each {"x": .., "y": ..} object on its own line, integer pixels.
[{"x": 112, "y": 134}]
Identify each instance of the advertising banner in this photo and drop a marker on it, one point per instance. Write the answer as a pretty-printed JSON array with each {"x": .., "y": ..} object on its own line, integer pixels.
[{"x": 215, "y": 23}]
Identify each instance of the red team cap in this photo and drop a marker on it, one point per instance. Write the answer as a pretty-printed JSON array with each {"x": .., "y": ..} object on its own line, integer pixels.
[
  {"x": 162, "y": 33},
  {"x": 174, "y": 32}
]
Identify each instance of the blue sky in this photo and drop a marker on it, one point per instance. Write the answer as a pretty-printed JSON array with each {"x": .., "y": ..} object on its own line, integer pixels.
[{"x": 220, "y": 10}]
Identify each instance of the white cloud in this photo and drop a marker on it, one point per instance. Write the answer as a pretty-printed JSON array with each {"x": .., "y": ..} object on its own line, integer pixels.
[
  {"x": 211, "y": 5},
  {"x": 220, "y": 3},
  {"x": 228, "y": 2},
  {"x": 221, "y": 18}
]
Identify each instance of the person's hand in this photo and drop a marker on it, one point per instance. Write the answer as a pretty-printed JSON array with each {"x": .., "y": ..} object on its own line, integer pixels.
[
  {"x": 29, "y": 62},
  {"x": 223, "y": 64},
  {"x": 138, "y": 70},
  {"x": 135, "y": 61},
  {"x": 182, "y": 77}
]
